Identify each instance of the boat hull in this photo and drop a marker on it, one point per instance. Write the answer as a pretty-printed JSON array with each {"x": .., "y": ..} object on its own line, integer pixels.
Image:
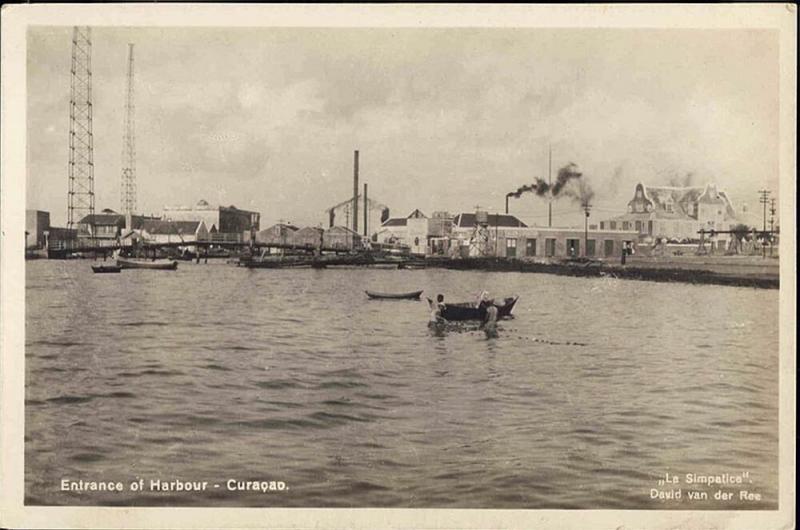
[
  {"x": 152, "y": 265},
  {"x": 105, "y": 269},
  {"x": 394, "y": 296},
  {"x": 465, "y": 311}
]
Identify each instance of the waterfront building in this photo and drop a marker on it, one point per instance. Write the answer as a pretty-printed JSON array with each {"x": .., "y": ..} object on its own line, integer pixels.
[
  {"x": 309, "y": 237},
  {"x": 109, "y": 224},
  {"x": 675, "y": 213},
  {"x": 341, "y": 238},
  {"x": 411, "y": 231},
  {"x": 160, "y": 231},
  {"x": 341, "y": 214},
  {"x": 277, "y": 234},
  {"x": 224, "y": 223},
  {"x": 37, "y": 224},
  {"x": 558, "y": 242}
]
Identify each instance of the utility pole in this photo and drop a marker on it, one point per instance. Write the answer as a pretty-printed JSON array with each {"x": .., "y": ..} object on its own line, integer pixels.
[
  {"x": 366, "y": 212},
  {"x": 586, "y": 208},
  {"x": 550, "y": 183},
  {"x": 771, "y": 224},
  {"x": 763, "y": 200},
  {"x": 128, "y": 183},
  {"x": 80, "y": 200}
]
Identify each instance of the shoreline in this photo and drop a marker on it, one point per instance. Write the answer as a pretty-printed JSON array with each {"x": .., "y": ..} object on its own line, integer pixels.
[{"x": 636, "y": 269}]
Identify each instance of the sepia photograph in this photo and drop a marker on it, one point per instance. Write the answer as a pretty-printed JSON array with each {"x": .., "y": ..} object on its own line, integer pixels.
[{"x": 359, "y": 264}]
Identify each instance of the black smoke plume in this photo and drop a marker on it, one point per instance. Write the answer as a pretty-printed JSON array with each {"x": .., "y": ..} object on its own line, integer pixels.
[{"x": 543, "y": 188}]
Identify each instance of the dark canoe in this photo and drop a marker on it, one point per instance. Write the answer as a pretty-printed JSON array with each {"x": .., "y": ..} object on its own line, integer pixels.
[
  {"x": 106, "y": 268},
  {"x": 394, "y": 296},
  {"x": 154, "y": 265},
  {"x": 467, "y": 311}
]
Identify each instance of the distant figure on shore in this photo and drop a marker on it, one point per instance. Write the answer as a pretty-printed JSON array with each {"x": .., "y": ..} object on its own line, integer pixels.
[{"x": 490, "y": 324}]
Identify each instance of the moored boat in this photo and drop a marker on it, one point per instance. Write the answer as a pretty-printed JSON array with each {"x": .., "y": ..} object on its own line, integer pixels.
[
  {"x": 414, "y": 295},
  {"x": 106, "y": 268},
  {"x": 467, "y": 311},
  {"x": 155, "y": 265}
]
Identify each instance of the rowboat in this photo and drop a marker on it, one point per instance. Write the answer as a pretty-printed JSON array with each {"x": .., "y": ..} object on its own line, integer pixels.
[
  {"x": 106, "y": 268},
  {"x": 467, "y": 311},
  {"x": 394, "y": 296},
  {"x": 155, "y": 265}
]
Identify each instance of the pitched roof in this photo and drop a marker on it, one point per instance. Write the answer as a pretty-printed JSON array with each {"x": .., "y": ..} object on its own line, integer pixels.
[
  {"x": 281, "y": 225},
  {"x": 310, "y": 229},
  {"x": 339, "y": 228},
  {"x": 156, "y": 226},
  {"x": 372, "y": 204},
  {"x": 103, "y": 219},
  {"x": 396, "y": 221},
  {"x": 467, "y": 220}
]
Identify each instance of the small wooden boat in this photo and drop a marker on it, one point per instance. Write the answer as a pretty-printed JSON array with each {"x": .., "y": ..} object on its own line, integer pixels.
[
  {"x": 106, "y": 268},
  {"x": 467, "y": 311},
  {"x": 394, "y": 296},
  {"x": 155, "y": 265}
]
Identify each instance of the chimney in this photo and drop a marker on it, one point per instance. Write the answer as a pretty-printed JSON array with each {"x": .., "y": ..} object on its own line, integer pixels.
[
  {"x": 355, "y": 191},
  {"x": 366, "y": 210}
]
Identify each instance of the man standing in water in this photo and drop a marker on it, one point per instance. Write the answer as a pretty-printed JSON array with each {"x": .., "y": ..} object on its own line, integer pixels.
[
  {"x": 490, "y": 324},
  {"x": 437, "y": 308}
]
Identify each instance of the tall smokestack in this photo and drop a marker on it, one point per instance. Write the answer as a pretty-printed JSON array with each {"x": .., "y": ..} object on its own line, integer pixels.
[
  {"x": 366, "y": 211},
  {"x": 355, "y": 191},
  {"x": 550, "y": 181}
]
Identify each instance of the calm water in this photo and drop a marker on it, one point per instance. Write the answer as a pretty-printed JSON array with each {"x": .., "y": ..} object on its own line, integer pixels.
[{"x": 595, "y": 390}]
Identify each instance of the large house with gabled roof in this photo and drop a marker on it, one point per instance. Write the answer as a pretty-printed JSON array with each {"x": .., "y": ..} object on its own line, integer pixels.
[{"x": 675, "y": 213}]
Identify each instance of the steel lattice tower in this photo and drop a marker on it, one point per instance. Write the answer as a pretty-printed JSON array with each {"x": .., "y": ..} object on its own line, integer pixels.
[
  {"x": 81, "y": 143},
  {"x": 128, "y": 184}
]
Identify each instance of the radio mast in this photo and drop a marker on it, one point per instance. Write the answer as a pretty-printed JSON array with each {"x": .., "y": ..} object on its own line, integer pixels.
[
  {"x": 80, "y": 200},
  {"x": 128, "y": 184}
]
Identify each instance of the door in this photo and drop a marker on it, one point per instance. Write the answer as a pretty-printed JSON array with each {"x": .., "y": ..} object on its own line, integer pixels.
[
  {"x": 550, "y": 247},
  {"x": 530, "y": 247}
]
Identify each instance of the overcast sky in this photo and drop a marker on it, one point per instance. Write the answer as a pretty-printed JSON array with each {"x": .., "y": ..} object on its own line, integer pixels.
[{"x": 445, "y": 119}]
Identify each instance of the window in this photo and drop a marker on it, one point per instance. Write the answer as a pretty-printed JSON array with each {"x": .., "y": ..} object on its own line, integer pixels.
[
  {"x": 530, "y": 247},
  {"x": 602, "y": 225},
  {"x": 573, "y": 248},
  {"x": 511, "y": 248},
  {"x": 613, "y": 225},
  {"x": 638, "y": 226},
  {"x": 626, "y": 225},
  {"x": 590, "y": 244},
  {"x": 550, "y": 247},
  {"x": 608, "y": 247},
  {"x": 650, "y": 227}
]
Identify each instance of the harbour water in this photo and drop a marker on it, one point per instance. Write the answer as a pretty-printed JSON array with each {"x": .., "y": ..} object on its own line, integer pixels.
[{"x": 587, "y": 398}]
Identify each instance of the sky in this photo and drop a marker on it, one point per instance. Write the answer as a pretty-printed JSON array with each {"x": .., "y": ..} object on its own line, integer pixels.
[{"x": 445, "y": 119}]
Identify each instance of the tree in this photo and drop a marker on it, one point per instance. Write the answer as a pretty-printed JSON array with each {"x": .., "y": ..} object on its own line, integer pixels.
[{"x": 739, "y": 233}]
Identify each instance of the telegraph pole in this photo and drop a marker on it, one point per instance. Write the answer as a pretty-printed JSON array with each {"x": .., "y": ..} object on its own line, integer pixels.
[
  {"x": 586, "y": 208},
  {"x": 771, "y": 224},
  {"x": 763, "y": 200}
]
